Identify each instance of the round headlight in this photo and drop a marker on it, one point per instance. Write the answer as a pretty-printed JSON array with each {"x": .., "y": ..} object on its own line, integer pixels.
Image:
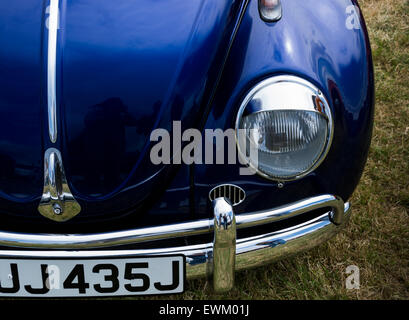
[{"x": 287, "y": 120}]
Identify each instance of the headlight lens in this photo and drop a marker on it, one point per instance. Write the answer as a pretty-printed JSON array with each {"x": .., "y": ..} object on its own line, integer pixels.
[{"x": 288, "y": 122}]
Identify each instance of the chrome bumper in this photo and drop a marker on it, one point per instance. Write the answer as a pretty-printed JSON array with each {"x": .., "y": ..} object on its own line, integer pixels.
[{"x": 219, "y": 258}]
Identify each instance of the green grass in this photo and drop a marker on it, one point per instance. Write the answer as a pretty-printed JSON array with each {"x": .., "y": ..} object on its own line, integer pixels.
[{"x": 377, "y": 237}]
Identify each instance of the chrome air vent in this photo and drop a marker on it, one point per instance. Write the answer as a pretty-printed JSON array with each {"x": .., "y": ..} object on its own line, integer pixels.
[{"x": 235, "y": 194}]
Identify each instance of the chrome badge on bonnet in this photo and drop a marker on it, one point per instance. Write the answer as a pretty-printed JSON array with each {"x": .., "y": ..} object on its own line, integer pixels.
[{"x": 57, "y": 202}]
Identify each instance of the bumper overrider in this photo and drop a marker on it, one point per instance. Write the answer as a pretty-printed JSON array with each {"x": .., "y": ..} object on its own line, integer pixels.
[{"x": 218, "y": 259}]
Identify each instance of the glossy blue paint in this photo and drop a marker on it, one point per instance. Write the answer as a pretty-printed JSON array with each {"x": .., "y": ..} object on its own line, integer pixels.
[
  {"x": 127, "y": 67},
  {"x": 21, "y": 149},
  {"x": 124, "y": 68},
  {"x": 313, "y": 42}
]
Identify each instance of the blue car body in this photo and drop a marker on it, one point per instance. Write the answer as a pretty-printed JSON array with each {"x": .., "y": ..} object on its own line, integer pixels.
[{"x": 126, "y": 67}]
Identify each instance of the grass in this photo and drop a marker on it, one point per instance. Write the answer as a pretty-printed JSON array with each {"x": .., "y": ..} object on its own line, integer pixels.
[{"x": 377, "y": 237}]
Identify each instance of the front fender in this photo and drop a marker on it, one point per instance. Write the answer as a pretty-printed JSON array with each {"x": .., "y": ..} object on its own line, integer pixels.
[{"x": 321, "y": 42}]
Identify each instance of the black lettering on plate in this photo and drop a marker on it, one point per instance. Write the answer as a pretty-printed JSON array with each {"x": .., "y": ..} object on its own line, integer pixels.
[
  {"x": 130, "y": 275},
  {"x": 113, "y": 278},
  {"x": 175, "y": 279},
  {"x": 81, "y": 285},
  {"x": 16, "y": 281},
  {"x": 44, "y": 277}
]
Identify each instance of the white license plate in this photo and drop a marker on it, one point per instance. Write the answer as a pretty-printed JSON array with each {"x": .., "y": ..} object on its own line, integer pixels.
[{"x": 83, "y": 277}]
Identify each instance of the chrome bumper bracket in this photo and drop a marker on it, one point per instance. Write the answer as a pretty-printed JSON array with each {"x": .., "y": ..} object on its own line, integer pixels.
[{"x": 224, "y": 246}]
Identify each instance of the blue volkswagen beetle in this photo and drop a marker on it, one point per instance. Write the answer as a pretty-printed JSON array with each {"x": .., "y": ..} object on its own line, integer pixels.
[{"x": 145, "y": 142}]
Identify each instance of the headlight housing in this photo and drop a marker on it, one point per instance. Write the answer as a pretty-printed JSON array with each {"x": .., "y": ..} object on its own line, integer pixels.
[{"x": 287, "y": 120}]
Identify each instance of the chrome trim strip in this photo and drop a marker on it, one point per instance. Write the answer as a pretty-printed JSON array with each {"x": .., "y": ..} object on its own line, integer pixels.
[
  {"x": 51, "y": 70},
  {"x": 292, "y": 210},
  {"x": 110, "y": 239},
  {"x": 57, "y": 202},
  {"x": 101, "y": 240},
  {"x": 224, "y": 246},
  {"x": 250, "y": 252}
]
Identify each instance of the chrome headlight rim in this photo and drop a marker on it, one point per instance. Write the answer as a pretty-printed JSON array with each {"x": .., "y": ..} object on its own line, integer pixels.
[{"x": 326, "y": 112}]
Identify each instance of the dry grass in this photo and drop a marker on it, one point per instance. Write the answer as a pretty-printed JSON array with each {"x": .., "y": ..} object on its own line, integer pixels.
[{"x": 377, "y": 237}]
